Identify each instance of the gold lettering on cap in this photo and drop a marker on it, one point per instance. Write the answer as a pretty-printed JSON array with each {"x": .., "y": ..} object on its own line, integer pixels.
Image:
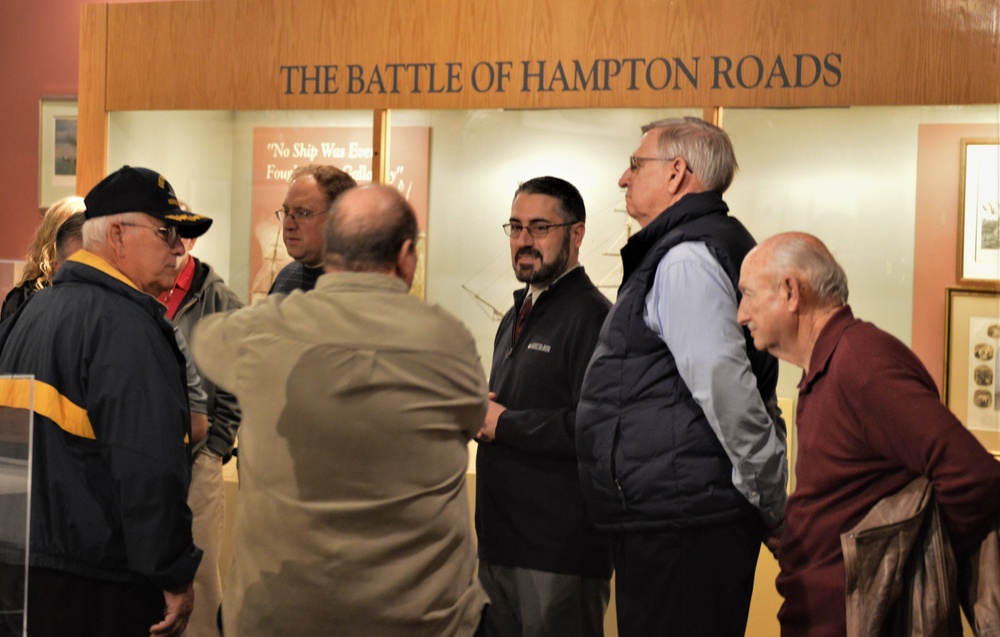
[
  {"x": 160, "y": 181},
  {"x": 183, "y": 218}
]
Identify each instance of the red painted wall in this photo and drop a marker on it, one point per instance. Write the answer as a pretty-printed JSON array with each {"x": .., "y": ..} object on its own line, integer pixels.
[
  {"x": 39, "y": 56},
  {"x": 39, "y": 49}
]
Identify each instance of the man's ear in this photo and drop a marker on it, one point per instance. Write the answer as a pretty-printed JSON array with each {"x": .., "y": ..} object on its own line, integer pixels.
[
  {"x": 406, "y": 262},
  {"x": 679, "y": 179},
  {"x": 577, "y": 231},
  {"x": 116, "y": 239},
  {"x": 791, "y": 290}
]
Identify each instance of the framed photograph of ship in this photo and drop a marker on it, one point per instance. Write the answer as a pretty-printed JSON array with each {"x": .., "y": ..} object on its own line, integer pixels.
[{"x": 57, "y": 149}]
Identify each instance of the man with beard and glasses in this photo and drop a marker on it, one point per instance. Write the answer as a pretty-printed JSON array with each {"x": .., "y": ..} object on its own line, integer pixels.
[{"x": 545, "y": 567}]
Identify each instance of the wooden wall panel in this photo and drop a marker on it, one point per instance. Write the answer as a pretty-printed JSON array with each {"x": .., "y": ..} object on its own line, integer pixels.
[
  {"x": 227, "y": 55},
  {"x": 92, "y": 116}
]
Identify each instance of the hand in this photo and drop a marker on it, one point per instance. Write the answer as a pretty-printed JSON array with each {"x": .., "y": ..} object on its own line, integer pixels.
[
  {"x": 199, "y": 427},
  {"x": 493, "y": 411},
  {"x": 177, "y": 610},
  {"x": 773, "y": 539}
]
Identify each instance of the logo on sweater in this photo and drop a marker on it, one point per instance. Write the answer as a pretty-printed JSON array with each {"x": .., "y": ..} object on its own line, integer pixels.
[{"x": 540, "y": 347}]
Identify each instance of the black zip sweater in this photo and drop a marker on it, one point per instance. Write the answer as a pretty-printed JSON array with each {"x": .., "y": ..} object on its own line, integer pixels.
[{"x": 529, "y": 506}]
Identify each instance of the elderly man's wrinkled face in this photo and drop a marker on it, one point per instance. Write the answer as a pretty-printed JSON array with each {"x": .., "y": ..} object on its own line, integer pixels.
[
  {"x": 763, "y": 308},
  {"x": 646, "y": 191},
  {"x": 150, "y": 251}
]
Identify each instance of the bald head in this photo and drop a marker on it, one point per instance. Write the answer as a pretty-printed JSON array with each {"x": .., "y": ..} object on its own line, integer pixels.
[
  {"x": 809, "y": 260},
  {"x": 791, "y": 285},
  {"x": 371, "y": 229}
]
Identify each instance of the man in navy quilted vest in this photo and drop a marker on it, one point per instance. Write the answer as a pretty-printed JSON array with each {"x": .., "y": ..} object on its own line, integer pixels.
[{"x": 680, "y": 444}]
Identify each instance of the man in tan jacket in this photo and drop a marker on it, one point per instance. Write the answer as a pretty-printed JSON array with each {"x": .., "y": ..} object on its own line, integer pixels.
[{"x": 358, "y": 403}]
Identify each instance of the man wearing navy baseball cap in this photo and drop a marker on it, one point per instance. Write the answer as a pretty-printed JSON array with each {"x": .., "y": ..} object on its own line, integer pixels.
[
  {"x": 110, "y": 540},
  {"x": 131, "y": 189}
]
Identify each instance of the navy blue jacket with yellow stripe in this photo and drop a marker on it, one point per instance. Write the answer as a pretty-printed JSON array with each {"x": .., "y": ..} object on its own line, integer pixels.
[{"x": 110, "y": 467}]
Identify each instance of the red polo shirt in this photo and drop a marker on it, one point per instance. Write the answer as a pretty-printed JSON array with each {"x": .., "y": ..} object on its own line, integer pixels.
[{"x": 172, "y": 298}]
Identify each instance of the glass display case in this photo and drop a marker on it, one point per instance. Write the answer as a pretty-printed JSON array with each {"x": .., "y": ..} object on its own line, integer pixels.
[
  {"x": 848, "y": 175},
  {"x": 16, "y": 418}
]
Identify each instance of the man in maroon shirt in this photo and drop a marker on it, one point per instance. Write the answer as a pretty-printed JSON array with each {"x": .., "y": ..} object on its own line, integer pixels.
[{"x": 869, "y": 420}]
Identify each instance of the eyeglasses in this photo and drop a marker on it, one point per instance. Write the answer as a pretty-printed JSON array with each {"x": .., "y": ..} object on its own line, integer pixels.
[
  {"x": 296, "y": 215},
  {"x": 536, "y": 230},
  {"x": 635, "y": 162},
  {"x": 168, "y": 234}
]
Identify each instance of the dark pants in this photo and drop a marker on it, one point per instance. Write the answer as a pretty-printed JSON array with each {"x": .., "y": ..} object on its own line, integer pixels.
[
  {"x": 481, "y": 629},
  {"x": 60, "y": 604},
  {"x": 11, "y": 600},
  {"x": 694, "y": 582},
  {"x": 530, "y": 603}
]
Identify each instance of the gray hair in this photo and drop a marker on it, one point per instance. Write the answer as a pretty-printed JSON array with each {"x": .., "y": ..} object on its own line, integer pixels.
[
  {"x": 95, "y": 231},
  {"x": 706, "y": 148},
  {"x": 808, "y": 255}
]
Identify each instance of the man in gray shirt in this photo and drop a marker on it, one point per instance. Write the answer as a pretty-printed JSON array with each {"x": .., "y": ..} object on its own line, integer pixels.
[{"x": 680, "y": 444}]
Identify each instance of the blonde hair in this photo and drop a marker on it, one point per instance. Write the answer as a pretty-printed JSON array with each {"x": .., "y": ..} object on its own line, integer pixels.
[{"x": 42, "y": 251}]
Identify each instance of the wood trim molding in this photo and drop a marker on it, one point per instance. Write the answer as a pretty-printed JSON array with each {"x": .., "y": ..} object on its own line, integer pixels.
[
  {"x": 433, "y": 54},
  {"x": 92, "y": 123}
]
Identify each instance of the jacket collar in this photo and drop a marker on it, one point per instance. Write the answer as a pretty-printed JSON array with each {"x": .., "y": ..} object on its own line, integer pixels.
[
  {"x": 572, "y": 274},
  {"x": 87, "y": 267},
  {"x": 825, "y": 345},
  {"x": 689, "y": 208},
  {"x": 362, "y": 282},
  {"x": 203, "y": 276},
  {"x": 98, "y": 263}
]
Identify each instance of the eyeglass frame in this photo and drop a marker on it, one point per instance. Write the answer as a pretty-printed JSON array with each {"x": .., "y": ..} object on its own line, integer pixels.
[
  {"x": 297, "y": 216},
  {"x": 169, "y": 234},
  {"x": 541, "y": 228},
  {"x": 634, "y": 162}
]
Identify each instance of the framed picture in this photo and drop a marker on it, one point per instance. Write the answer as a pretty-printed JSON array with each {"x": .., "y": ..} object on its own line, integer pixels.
[
  {"x": 972, "y": 362},
  {"x": 979, "y": 214},
  {"x": 56, "y": 150}
]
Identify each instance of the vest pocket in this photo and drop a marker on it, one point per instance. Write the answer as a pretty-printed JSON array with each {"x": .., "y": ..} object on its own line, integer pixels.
[{"x": 617, "y": 459}]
